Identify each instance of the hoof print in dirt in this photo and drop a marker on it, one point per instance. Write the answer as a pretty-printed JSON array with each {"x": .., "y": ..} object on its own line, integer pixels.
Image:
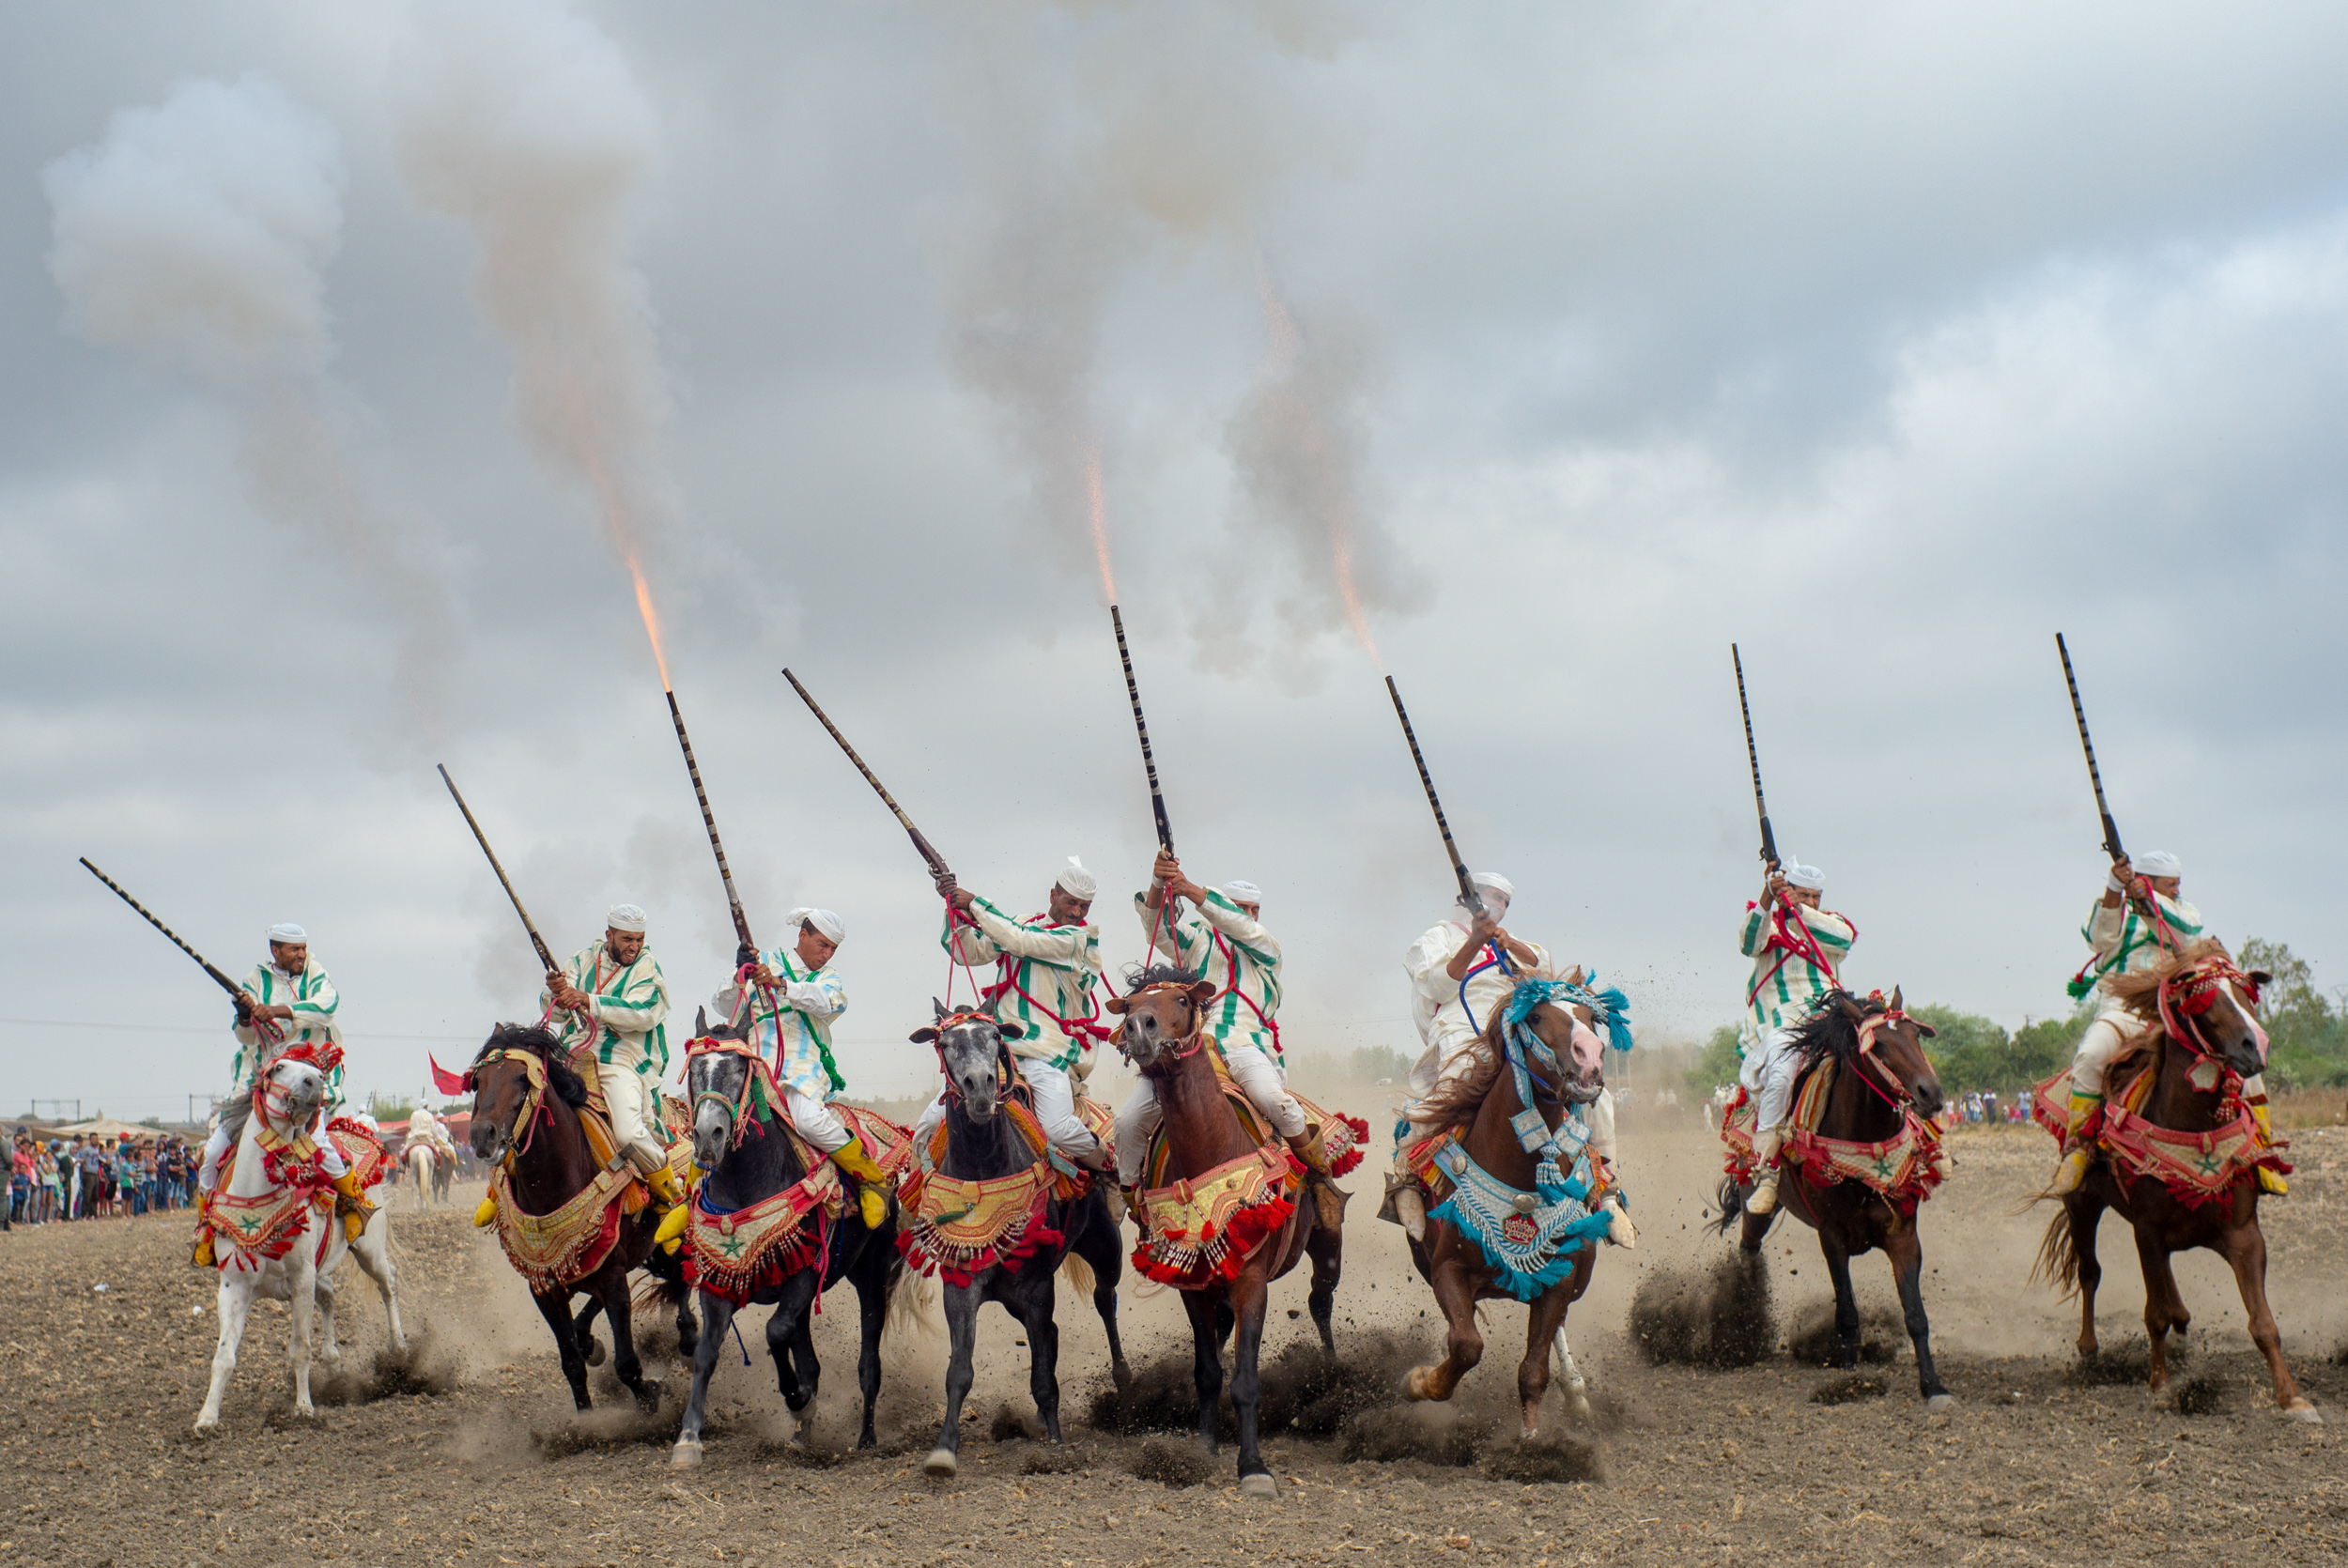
[
  {"x": 1553, "y": 1460},
  {"x": 1172, "y": 1464},
  {"x": 1850, "y": 1391}
]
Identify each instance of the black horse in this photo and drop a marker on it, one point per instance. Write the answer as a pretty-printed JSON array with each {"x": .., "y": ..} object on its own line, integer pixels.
[
  {"x": 982, "y": 1144},
  {"x": 761, "y": 1163}
]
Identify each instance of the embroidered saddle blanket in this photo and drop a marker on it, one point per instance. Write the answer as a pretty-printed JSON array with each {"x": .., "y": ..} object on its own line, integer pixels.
[{"x": 2196, "y": 1168}]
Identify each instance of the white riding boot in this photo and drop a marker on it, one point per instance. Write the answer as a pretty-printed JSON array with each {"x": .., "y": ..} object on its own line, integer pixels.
[{"x": 1765, "y": 1172}]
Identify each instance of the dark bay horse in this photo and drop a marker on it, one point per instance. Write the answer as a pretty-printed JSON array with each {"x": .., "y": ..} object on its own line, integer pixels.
[
  {"x": 739, "y": 1141},
  {"x": 2198, "y": 1008},
  {"x": 1164, "y": 1037},
  {"x": 981, "y": 1143},
  {"x": 526, "y": 1116},
  {"x": 1487, "y": 1100},
  {"x": 1883, "y": 1074}
]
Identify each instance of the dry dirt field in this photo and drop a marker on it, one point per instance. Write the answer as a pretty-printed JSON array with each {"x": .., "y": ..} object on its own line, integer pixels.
[{"x": 471, "y": 1455}]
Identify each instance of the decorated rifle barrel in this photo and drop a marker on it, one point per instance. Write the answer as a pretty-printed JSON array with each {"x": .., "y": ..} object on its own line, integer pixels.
[
  {"x": 218, "y": 979},
  {"x": 1752, "y": 756},
  {"x": 545, "y": 956},
  {"x": 693, "y": 769},
  {"x": 920, "y": 845},
  {"x": 1468, "y": 895},
  {"x": 2094, "y": 774},
  {"x": 1141, "y": 728}
]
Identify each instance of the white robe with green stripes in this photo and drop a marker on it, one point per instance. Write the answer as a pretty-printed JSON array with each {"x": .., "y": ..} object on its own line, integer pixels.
[
  {"x": 313, "y": 1000},
  {"x": 1056, "y": 965},
  {"x": 1783, "y": 995},
  {"x": 630, "y": 1007},
  {"x": 810, "y": 1000},
  {"x": 1243, "y": 966},
  {"x": 2125, "y": 942}
]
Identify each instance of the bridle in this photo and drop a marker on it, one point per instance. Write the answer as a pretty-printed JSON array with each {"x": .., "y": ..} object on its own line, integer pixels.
[
  {"x": 1167, "y": 1061},
  {"x": 1005, "y": 1076},
  {"x": 742, "y": 1106},
  {"x": 2186, "y": 994},
  {"x": 523, "y": 1130},
  {"x": 1868, "y": 1027}
]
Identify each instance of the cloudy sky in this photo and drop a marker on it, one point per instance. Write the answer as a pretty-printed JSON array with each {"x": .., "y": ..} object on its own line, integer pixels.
[{"x": 353, "y": 350}]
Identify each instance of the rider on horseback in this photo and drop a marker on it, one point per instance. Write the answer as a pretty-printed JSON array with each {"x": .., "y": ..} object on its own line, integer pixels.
[
  {"x": 2140, "y": 919},
  {"x": 794, "y": 995},
  {"x": 1225, "y": 944},
  {"x": 1050, "y": 965},
  {"x": 612, "y": 999},
  {"x": 1795, "y": 946},
  {"x": 285, "y": 1003}
]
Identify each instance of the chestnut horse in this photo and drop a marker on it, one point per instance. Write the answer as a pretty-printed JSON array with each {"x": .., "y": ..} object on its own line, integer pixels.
[
  {"x": 1883, "y": 1075},
  {"x": 1487, "y": 1101},
  {"x": 528, "y": 1120},
  {"x": 2198, "y": 1009},
  {"x": 1164, "y": 1036}
]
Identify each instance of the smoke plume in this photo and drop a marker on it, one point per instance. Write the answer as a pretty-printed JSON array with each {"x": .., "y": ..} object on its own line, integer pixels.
[
  {"x": 196, "y": 234},
  {"x": 521, "y": 119}
]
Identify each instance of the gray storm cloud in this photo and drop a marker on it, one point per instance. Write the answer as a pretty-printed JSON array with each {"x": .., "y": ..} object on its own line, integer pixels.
[
  {"x": 522, "y": 120},
  {"x": 195, "y": 234}
]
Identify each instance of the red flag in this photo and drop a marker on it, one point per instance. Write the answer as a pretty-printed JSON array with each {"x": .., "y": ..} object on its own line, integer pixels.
[{"x": 448, "y": 1082}]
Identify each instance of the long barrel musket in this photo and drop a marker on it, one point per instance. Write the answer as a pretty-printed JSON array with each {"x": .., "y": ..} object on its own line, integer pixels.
[
  {"x": 1760, "y": 801},
  {"x": 1141, "y": 728},
  {"x": 936, "y": 863},
  {"x": 545, "y": 956},
  {"x": 267, "y": 1028},
  {"x": 1468, "y": 894},
  {"x": 2094, "y": 774},
  {"x": 725, "y": 873}
]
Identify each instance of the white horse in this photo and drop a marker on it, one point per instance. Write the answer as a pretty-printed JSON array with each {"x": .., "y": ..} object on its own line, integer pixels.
[
  {"x": 291, "y": 1097},
  {"x": 430, "y": 1157}
]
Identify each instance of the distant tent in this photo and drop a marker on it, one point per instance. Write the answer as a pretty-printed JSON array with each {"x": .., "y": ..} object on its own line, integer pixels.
[{"x": 102, "y": 1127}]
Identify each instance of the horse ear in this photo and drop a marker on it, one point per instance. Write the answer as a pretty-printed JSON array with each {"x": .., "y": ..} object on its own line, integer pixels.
[
  {"x": 941, "y": 1008},
  {"x": 1114, "y": 1005},
  {"x": 922, "y": 1037},
  {"x": 700, "y": 1021},
  {"x": 1012, "y": 1031},
  {"x": 1923, "y": 1031},
  {"x": 1202, "y": 993},
  {"x": 1895, "y": 999}
]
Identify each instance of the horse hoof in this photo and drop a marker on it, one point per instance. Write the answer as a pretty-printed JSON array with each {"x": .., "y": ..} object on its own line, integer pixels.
[
  {"x": 687, "y": 1454},
  {"x": 941, "y": 1465},
  {"x": 2304, "y": 1411},
  {"x": 1259, "y": 1486},
  {"x": 1941, "y": 1404},
  {"x": 802, "y": 1431},
  {"x": 1415, "y": 1384},
  {"x": 594, "y": 1352}
]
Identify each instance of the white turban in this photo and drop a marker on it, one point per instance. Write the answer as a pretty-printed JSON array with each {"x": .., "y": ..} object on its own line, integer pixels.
[
  {"x": 288, "y": 931},
  {"x": 1799, "y": 875},
  {"x": 625, "y": 918},
  {"x": 1497, "y": 883},
  {"x": 1243, "y": 892},
  {"x": 2156, "y": 863},
  {"x": 824, "y": 920},
  {"x": 1077, "y": 881}
]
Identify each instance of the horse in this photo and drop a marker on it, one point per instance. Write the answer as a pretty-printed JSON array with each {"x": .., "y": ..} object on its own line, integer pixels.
[
  {"x": 984, "y": 1146},
  {"x": 273, "y": 1237},
  {"x": 740, "y": 1139},
  {"x": 1164, "y": 1036},
  {"x": 1530, "y": 1059},
  {"x": 2204, "y": 1039},
  {"x": 526, "y": 1111},
  {"x": 1884, "y": 1090}
]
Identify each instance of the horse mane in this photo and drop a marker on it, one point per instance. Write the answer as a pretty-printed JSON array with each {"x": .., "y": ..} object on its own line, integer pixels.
[
  {"x": 2140, "y": 989},
  {"x": 1457, "y": 1103},
  {"x": 1139, "y": 975},
  {"x": 561, "y": 1077},
  {"x": 1830, "y": 1032},
  {"x": 234, "y": 1114}
]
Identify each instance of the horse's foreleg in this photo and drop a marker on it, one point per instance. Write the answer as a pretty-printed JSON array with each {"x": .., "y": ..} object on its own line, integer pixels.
[
  {"x": 300, "y": 1302},
  {"x": 1577, "y": 1387},
  {"x": 374, "y": 1251},
  {"x": 1845, "y": 1303},
  {"x": 962, "y": 1335},
  {"x": 871, "y": 1311},
  {"x": 793, "y": 1347},
  {"x": 2164, "y": 1308},
  {"x": 1906, "y": 1252},
  {"x": 2086, "y": 1217},
  {"x": 1042, "y": 1350},
  {"x": 1250, "y": 1293},
  {"x": 625, "y": 1361},
  {"x": 1206, "y": 1371},
  {"x": 1464, "y": 1342},
  {"x": 717, "y": 1312},
  {"x": 232, "y": 1306},
  {"x": 1546, "y": 1322},
  {"x": 583, "y": 1329},
  {"x": 330, "y": 1345},
  {"x": 2245, "y": 1249},
  {"x": 555, "y": 1307},
  {"x": 1326, "y": 1246},
  {"x": 1104, "y": 1249}
]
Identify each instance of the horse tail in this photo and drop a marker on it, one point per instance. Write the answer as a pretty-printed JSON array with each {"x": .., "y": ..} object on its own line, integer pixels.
[
  {"x": 1079, "y": 1274},
  {"x": 1732, "y": 1206},
  {"x": 911, "y": 1294},
  {"x": 659, "y": 1287},
  {"x": 2057, "y": 1262}
]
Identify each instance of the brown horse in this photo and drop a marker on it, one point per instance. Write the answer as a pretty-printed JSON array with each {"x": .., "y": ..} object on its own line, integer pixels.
[
  {"x": 1164, "y": 1036},
  {"x": 526, "y": 1116},
  {"x": 2208, "y": 1004},
  {"x": 1884, "y": 1075},
  {"x": 1487, "y": 1101}
]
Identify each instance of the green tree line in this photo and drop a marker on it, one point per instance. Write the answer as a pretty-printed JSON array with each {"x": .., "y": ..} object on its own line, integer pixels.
[{"x": 2308, "y": 1031}]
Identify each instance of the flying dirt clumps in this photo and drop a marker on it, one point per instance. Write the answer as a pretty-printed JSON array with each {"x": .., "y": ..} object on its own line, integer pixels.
[
  {"x": 1849, "y": 1391},
  {"x": 1720, "y": 1319},
  {"x": 1173, "y": 1464},
  {"x": 1433, "y": 1435},
  {"x": 1814, "y": 1341},
  {"x": 1556, "y": 1461},
  {"x": 1303, "y": 1392}
]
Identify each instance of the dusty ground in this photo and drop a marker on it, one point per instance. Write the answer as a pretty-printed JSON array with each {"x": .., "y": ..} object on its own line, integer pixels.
[{"x": 474, "y": 1456}]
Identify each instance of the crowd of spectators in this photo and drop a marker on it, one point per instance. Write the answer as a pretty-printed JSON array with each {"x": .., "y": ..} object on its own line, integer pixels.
[
  {"x": 89, "y": 1178},
  {"x": 1984, "y": 1107}
]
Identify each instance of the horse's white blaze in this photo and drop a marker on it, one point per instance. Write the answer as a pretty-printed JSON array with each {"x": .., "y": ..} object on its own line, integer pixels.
[{"x": 2248, "y": 1022}]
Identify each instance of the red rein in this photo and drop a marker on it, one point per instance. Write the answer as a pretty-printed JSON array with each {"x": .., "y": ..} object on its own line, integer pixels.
[{"x": 2188, "y": 992}]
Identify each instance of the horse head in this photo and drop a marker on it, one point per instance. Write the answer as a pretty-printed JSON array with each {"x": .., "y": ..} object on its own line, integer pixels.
[
  {"x": 508, "y": 1093},
  {"x": 2205, "y": 1002},
  {"x": 292, "y": 1092},
  {"x": 1877, "y": 1038},
  {"x": 972, "y": 1056},
  {"x": 717, "y": 1082},
  {"x": 1164, "y": 1008}
]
